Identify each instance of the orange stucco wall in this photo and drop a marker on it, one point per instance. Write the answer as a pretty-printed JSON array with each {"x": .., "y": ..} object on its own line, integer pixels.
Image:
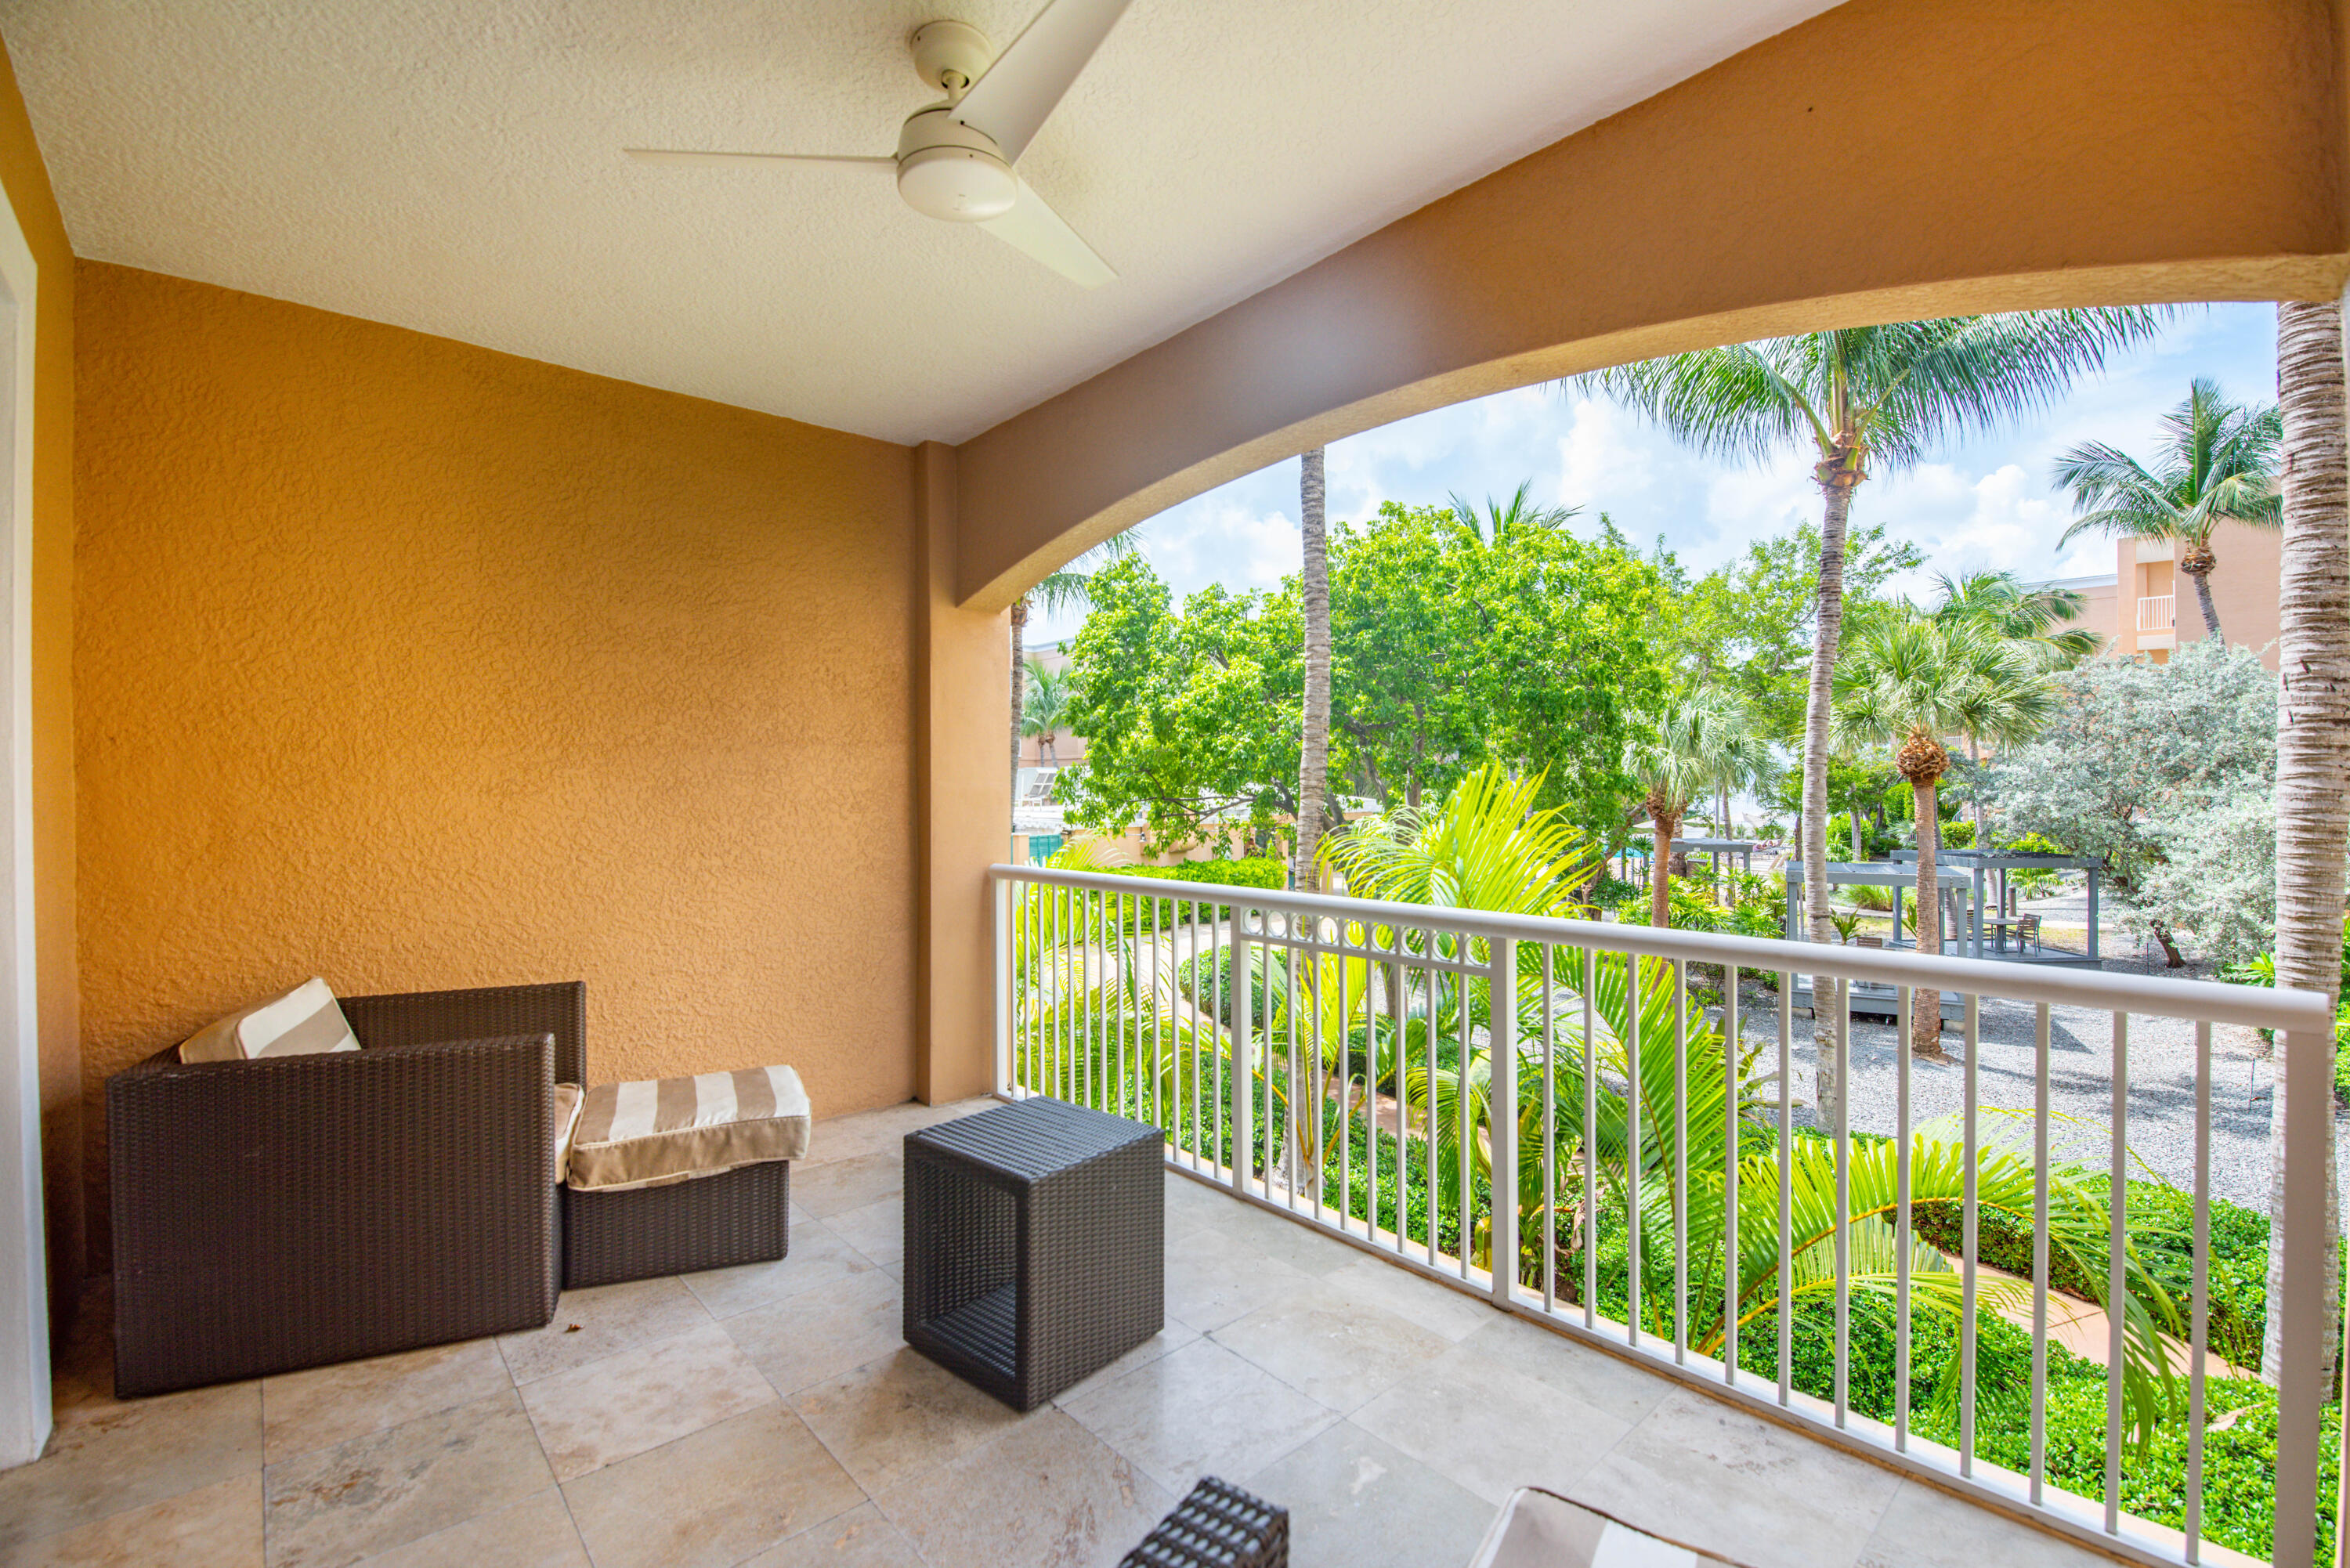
[
  {"x": 414, "y": 665},
  {"x": 1885, "y": 161},
  {"x": 27, "y": 181}
]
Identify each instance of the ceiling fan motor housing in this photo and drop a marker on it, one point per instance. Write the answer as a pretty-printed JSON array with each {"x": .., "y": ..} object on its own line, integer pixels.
[{"x": 947, "y": 170}]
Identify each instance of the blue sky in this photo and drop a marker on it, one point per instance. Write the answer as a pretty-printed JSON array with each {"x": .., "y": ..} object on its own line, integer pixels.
[{"x": 1984, "y": 502}]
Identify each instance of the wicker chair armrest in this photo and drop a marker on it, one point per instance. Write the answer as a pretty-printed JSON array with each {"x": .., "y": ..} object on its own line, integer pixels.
[
  {"x": 482, "y": 1012},
  {"x": 291, "y": 1210}
]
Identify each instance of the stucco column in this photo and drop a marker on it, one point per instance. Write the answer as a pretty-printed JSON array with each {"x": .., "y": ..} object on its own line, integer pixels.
[{"x": 963, "y": 798}]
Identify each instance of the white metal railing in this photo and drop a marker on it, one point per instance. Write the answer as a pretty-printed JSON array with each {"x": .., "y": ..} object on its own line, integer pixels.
[
  {"x": 2157, "y": 612},
  {"x": 1264, "y": 1031}
]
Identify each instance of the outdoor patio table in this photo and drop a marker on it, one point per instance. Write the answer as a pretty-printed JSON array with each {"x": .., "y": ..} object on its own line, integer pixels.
[{"x": 1035, "y": 1245}]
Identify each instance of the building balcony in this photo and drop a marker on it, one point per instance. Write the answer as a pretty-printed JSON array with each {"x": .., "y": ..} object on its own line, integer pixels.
[
  {"x": 770, "y": 1415},
  {"x": 2156, "y": 620}
]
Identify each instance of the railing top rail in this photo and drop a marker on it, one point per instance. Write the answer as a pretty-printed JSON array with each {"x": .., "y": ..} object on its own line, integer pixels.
[{"x": 2204, "y": 1000}]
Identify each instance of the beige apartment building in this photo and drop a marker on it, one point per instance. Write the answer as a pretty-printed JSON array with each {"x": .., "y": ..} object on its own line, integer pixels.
[{"x": 2148, "y": 606}]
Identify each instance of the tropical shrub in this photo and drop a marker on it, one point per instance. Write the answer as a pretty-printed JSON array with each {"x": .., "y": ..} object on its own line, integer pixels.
[{"x": 2136, "y": 749}]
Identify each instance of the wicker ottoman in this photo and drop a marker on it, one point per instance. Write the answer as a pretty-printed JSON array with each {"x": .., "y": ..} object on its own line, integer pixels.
[
  {"x": 674, "y": 1175},
  {"x": 742, "y": 1216},
  {"x": 1035, "y": 1245}
]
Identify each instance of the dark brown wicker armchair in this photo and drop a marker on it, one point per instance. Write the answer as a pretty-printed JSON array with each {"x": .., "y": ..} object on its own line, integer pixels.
[{"x": 298, "y": 1211}]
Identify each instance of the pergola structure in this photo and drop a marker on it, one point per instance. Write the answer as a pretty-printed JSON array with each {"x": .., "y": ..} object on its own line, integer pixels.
[{"x": 1982, "y": 862}]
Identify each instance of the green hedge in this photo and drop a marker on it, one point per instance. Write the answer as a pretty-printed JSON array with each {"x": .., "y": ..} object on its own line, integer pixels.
[
  {"x": 2162, "y": 1228},
  {"x": 1259, "y": 872}
]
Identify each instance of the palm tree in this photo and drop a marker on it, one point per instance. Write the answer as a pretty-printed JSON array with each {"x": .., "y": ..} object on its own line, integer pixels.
[
  {"x": 1858, "y": 398},
  {"x": 1500, "y": 518},
  {"x": 2037, "y": 618},
  {"x": 1314, "y": 734},
  {"x": 1909, "y": 681},
  {"x": 1044, "y": 706},
  {"x": 1702, "y": 745},
  {"x": 2313, "y": 719},
  {"x": 1068, "y": 589},
  {"x": 2217, "y": 465}
]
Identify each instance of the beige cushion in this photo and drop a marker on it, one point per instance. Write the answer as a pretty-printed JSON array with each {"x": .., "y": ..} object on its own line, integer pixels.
[
  {"x": 307, "y": 1019},
  {"x": 569, "y": 1100},
  {"x": 663, "y": 1130},
  {"x": 1538, "y": 1528}
]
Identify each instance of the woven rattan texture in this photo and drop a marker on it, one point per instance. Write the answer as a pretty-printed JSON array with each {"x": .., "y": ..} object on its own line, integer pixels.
[
  {"x": 299, "y": 1211},
  {"x": 1035, "y": 1245},
  {"x": 484, "y": 1012},
  {"x": 1218, "y": 1526},
  {"x": 740, "y": 1216}
]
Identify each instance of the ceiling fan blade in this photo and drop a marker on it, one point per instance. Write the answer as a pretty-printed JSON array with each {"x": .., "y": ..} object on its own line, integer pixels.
[
  {"x": 668, "y": 155},
  {"x": 1015, "y": 94},
  {"x": 1036, "y": 229}
]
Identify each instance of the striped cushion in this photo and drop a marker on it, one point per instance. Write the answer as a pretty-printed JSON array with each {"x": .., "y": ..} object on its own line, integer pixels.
[
  {"x": 1537, "y": 1528},
  {"x": 307, "y": 1019},
  {"x": 673, "y": 1129},
  {"x": 569, "y": 1100}
]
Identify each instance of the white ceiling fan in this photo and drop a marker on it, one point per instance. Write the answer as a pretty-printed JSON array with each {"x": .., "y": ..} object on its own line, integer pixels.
[{"x": 955, "y": 159}]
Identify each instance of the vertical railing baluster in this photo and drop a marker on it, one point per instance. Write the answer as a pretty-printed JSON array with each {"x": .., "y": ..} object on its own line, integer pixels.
[
  {"x": 1463, "y": 1243},
  {"x": 2040, "y": 1251},
  {"x": 1842, "y": 1046},
  {"x": 2117, "y": 1279},
  {"x": 1428, "y": 1120},
  {"x": 2200, "y": 1310},
  {"x": 1786, "y": 1179},
  {"x": 1590, "y": 1122},
  {"x": 1732, "y": 1032},
  {"x": 1063, "y": 1073},
  {"x": 1004, "y": 982},
  {"x": 1237, "y": 1088},
  {"x": 1550, "y": 1129},
  {"x": 1156, "y": 1049},
  {"x": 1344, "y": 1069},
  {"x": 1970, "y": 1226},
  {"x": 1632, "y": 1149},
  {"x": 1293, "y": 1125},
  {"x": 1680, "y": 1162},
  {"x": 1501, "y": 1116},
  {"x": 1905, "y": 1004}
]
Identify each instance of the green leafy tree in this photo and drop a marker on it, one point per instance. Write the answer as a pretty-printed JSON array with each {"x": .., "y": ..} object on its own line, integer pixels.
[
  {"x": 1859, "y": 400},
  {"x": 1068, "y": 589},
  {"x": 1746, "y": 625},
  {"x": 1462, "y": 636},
  {"x": 2217, "y": 463},
  {"x": 1191, "y": 720}
]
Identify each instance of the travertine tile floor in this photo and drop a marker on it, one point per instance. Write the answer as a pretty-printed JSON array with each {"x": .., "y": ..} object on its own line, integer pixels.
[{"x": 770, "y": 1415}]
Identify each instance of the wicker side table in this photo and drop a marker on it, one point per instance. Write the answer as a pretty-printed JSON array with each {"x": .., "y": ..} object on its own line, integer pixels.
[
  {"x": 1218, "y": 1526},
  {"x": 1035, "y": 1245}
]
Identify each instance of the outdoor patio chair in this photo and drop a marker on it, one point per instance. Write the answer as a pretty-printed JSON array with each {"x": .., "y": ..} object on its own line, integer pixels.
[
  {"x": 2027, "y": 932},
  {"x": 293, "y": 1211}
]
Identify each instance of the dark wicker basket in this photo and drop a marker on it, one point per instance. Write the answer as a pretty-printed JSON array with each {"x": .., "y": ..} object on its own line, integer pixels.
[
  {"x": 299, "y": 1211},
  {"x": 740, "y": 1216}
]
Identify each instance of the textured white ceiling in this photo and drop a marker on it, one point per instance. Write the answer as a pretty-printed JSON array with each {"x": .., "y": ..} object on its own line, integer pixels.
[{"x": 454, "y": 166}]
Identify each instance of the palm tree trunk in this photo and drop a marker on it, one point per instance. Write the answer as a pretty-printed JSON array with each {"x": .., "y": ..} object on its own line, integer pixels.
[
  {"x": 2202, "y": 581},
  {"x": 1313, "y": 740},
  {"x": 1661, "y": 882},
  {"x": 1926, "y": 1006},
  {"x": 1836, "y": 480},
  {"x": 2312, "y": 726},
  {"x": 1019, "y": 678}
]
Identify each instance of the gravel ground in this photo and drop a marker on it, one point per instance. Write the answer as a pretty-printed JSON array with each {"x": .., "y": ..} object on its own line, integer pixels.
[{"x": 2162, "y": 1119}]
